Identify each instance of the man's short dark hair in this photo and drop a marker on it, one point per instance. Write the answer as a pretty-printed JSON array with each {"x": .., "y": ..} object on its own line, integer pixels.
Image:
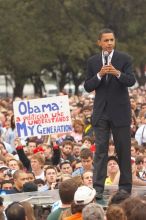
[
  {"x": 15, "y": 211},
  {"x": 64, "y": 162},
  {"x": 138, "y": 160},
  {"x": 119, "y": 197},
  {"x": 86, "y": 153},
  {"x": 67, "y": 190},
  {"x": 104, "y": 31},
  {"x": 30, "y": 187},
  {"x": 39, "y": 181},
  {"x": 67, "y": 143},
  {"x": 50, "y": 167},
  {"x": 88, "y": 138},
  {"x": 5, "y": 182},
  {"x": 17, "y": 173}
]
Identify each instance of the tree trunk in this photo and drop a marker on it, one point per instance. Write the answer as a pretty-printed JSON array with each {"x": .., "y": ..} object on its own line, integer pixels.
[
  {"x": 77, "y": 81},
  {"x": 19, "y": 81},
  {"x": 18, "y": 89},
  {"x": 38, "y": 86},
  {"x": 62, "y": 81}
]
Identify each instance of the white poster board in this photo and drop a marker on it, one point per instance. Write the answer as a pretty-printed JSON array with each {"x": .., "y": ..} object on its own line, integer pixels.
[{"x": 42, "y": 116}]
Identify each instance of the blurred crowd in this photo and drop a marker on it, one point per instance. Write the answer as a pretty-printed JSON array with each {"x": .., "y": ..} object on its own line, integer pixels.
[{"x": 65, "y": 161}]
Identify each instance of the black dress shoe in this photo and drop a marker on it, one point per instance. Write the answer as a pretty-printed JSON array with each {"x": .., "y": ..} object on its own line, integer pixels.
[{"x": 99, "y": 195}]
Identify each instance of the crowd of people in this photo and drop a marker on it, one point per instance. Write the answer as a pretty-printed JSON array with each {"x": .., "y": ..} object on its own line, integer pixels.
[{"x": 65, "y": 162}]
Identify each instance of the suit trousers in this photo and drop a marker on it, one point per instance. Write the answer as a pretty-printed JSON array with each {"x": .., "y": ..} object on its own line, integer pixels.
[{"x": 122, "y": 141}]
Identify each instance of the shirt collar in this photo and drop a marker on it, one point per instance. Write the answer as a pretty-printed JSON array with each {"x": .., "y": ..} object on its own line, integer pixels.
[{"x": 109, "y": 57}]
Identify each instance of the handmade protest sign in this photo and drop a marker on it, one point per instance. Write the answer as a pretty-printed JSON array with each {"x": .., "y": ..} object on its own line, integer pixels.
[{"x": 42, "y": 116}]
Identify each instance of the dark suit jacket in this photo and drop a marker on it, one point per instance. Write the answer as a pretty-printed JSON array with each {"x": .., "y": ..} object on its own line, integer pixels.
[{"x": 112, "y": 92}]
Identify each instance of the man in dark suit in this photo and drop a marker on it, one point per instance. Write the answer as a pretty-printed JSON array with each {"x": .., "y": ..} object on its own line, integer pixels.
[{"x": 110, "y": 74}]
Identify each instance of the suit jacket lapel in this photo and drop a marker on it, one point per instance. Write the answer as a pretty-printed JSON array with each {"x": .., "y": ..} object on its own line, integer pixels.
[
  {"x": 99, "y": 62},
  {"x": 115, "y": 58}
]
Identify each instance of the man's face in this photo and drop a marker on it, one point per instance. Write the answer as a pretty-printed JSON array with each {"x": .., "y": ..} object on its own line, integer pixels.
[
  {"x": 2, "y": 163},
  {"x": 7, "y": 186},
  {"x": 143, "y": 107},
  {"x": 21, "y": 180},
  {"x": 32, "y": 146},
  {"x": 67, "y": 149},
  {"x": 87, "y": 143},
  {"x": 76, "y": 151},
  {"x": 51, "y": 176},
  {"x": 87, "y": 112},
  {"x": 66, "y": 168},
  {"x": 78, "y": 166},
  {"x": 13, "y": 165},
  {"x": 36, "y": 165},
  {"x": 31, "y": 177},
  {"x": 107, "y": 42},
  {"x": 133, "y": 151},
  {"x": 2, "y": 174},
  {"x": 87, "y": 163},
  {"x": 133, "y": 104},
  {"x": 88, "y": 179},
  {"x": 26, "y": 150},
  {"x": 140, "y": 166},
  {"x": 78, "y": 128},
  {"x": 48, "y": 153},
  {"x": 112, "y": 167}
]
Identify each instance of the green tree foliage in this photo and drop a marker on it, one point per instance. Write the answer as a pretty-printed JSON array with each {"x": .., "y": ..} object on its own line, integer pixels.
[
  {"x": 127, "y": 19},
  {"x": 60, "y": 35},
  {"x": 22, "y": 43}
]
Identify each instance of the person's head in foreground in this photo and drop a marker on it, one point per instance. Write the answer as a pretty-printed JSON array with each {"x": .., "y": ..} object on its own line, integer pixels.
[
  {"x": 115, "y": 212},
  {"x": 15, "y": 211},
  {"x": 83, "y": 196},
  {"x": 93, "y": 211}
]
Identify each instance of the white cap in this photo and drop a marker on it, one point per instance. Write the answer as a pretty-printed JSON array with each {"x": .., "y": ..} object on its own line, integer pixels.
[
  {"x": 84, "y": 195},
  {"x": 4, "y": 167}
]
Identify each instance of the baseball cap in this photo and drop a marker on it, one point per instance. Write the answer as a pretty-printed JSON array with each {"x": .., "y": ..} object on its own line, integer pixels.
[
  {"x": 84, "y": 195},
  {"x": 113, "y": 158},
  {"x": 3, "y": 167},
  {"x": 69, "y": 138},
  {"x": 64, "y": 162}
]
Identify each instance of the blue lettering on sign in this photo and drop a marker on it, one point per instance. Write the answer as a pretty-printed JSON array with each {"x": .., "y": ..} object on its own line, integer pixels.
[
  {"x": 22, "y": 108},
  {"x": 31, "y": 129},
  {"x": 26, "y": 108},
  {"x": 21, "y": 128},
  {"x": 53, "y": 129},
  {"x": 24, "y": 130},
  {"x": 39, "y": 129},
  {"x": 52, "y": 107}
]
